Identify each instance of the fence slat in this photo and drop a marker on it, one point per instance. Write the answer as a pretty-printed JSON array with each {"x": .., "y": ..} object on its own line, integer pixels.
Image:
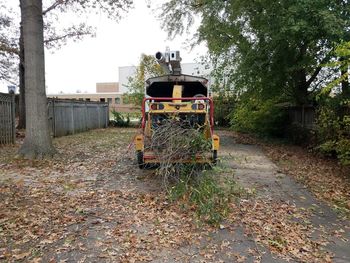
[
  {"x": 7, "y": 119},
  {"x": 306, "y": 116},
  {"x": 72, "y": 116}
]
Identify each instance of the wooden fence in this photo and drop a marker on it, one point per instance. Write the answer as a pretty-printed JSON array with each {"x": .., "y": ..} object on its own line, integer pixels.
[
  {"x": 7, "y": 119},
  {"x": 305, "y": 116},
  {"x": 72, "y": 116}
]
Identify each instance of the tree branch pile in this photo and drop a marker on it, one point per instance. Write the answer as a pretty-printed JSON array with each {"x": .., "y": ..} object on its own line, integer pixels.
[{"x": 176, "y": 144}]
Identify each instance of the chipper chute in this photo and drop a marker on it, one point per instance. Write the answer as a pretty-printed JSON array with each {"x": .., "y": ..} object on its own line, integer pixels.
[{"x": 176, "y": 98}]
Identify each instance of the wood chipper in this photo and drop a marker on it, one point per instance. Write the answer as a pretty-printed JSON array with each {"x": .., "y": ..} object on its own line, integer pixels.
[{"x": 176, "y": 96}]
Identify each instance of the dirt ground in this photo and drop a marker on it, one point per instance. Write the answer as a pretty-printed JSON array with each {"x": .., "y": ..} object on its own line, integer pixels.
[{"x": 91, "y": 203}]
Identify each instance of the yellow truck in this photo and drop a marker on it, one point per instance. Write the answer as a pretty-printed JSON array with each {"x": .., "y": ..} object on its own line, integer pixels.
[{"x": 176, "y": 96}]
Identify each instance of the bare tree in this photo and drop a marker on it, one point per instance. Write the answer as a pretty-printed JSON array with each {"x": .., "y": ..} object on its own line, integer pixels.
[
  {"x": 8, "y": 45},
  {"x": 54, "y": 37},
  {"x": 12, "y": 50},
  {"x": 38, "y": 142}
]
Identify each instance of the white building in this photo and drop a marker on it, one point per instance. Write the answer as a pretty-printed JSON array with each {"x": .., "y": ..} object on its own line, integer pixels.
[{"x": 124, "y": 74}]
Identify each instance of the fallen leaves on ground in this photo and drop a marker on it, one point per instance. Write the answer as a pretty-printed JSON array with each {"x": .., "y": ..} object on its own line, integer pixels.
[
  {"x": 86, "y": 199},
  {"x": 277, "y": 225},
  {"x": 88, "y": 205}
]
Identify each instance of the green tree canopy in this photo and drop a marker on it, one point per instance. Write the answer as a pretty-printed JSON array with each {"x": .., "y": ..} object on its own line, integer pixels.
[
  {"x": 274, "y": 48},
  {"x": 147, "y": 68}
]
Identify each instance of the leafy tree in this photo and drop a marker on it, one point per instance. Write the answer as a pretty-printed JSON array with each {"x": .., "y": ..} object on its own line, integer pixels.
[
  {"x": 276, "y": 48},
  {"x": 268, "y": 52},
  {"x": 333, "y": 118},
  {"x": 147, "y": 68},
  {"x": 342, "y": 64}
]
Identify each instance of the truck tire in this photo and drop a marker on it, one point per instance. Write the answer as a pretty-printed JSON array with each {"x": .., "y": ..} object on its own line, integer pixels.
[{"x": 139, "y": 156}]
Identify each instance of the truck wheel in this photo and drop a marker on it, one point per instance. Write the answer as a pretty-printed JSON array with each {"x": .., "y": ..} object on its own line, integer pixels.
[
  {"x": 139, "y": 155},
  {"x": 215, "y": 156}
]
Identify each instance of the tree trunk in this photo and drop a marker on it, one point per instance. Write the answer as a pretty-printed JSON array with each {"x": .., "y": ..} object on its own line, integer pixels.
[
  {"x": 22, "y": 109},
  {"x": 299, "y": 78},
  {"x": 38, "y": 142},
  {"x": 301, "y": 86}
]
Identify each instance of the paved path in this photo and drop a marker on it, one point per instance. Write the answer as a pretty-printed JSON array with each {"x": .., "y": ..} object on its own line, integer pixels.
[{"x": 254, "y": 170}]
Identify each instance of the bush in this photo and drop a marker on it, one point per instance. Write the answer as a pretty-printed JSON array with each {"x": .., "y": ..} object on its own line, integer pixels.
[
  {"x": 333, "y": 129},
  {"x": 260, "y": 117},
  {"x": 223, "y": 106},
  {"x": 297, "y": 134},
  {"x": 343, "y": 151},
  {"x": 119, "y": 120}
]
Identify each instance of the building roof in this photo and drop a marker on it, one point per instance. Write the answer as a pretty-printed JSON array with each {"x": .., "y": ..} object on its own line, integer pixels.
[{"x": 86, "y": 94}]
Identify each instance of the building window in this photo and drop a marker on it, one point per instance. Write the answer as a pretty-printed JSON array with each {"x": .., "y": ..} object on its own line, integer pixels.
[
  {"x": 102, "y": 99},
  {"x": 88, "y": 99},
  {"x": 117, "y": 100},
  {"x": 109, "y": 100},
  {"x": 81, "y": 99}
]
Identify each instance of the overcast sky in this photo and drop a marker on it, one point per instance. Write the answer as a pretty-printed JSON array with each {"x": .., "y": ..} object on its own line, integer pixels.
[{"x": 78, "y": 66}]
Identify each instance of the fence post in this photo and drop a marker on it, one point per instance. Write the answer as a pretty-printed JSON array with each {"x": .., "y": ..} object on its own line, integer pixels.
[
  {"x": 98, "y": 116},
  {"x": 107, "y": 109},
  {"x": 85, "y": 116},
  {"x": 13, "y": 118},
  {"x": 303, "y": 116},
  {"x": 72, "y": 118},
  {"x": 53, "y": 117}
]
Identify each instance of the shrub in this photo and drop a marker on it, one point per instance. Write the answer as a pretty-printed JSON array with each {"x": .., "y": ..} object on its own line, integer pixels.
[
  {"x": 261, "y": 117},
  {"x": 223, "y": 106},
  {"x": 343, "y": 151},
  {"x": 333, "y": 129},
  {"x": 297, "y": 134},
  {"x": 119, "y": 120}
]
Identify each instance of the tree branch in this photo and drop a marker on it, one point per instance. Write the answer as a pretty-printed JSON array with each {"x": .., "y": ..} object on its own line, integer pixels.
[
  {"x": 313, "y": 76},
  {"x": 11, "y": 50},
  {"x": 318, "y": 69},
  {"x": 53, "y": 6},
  {"x": 65, "y": 36}
]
